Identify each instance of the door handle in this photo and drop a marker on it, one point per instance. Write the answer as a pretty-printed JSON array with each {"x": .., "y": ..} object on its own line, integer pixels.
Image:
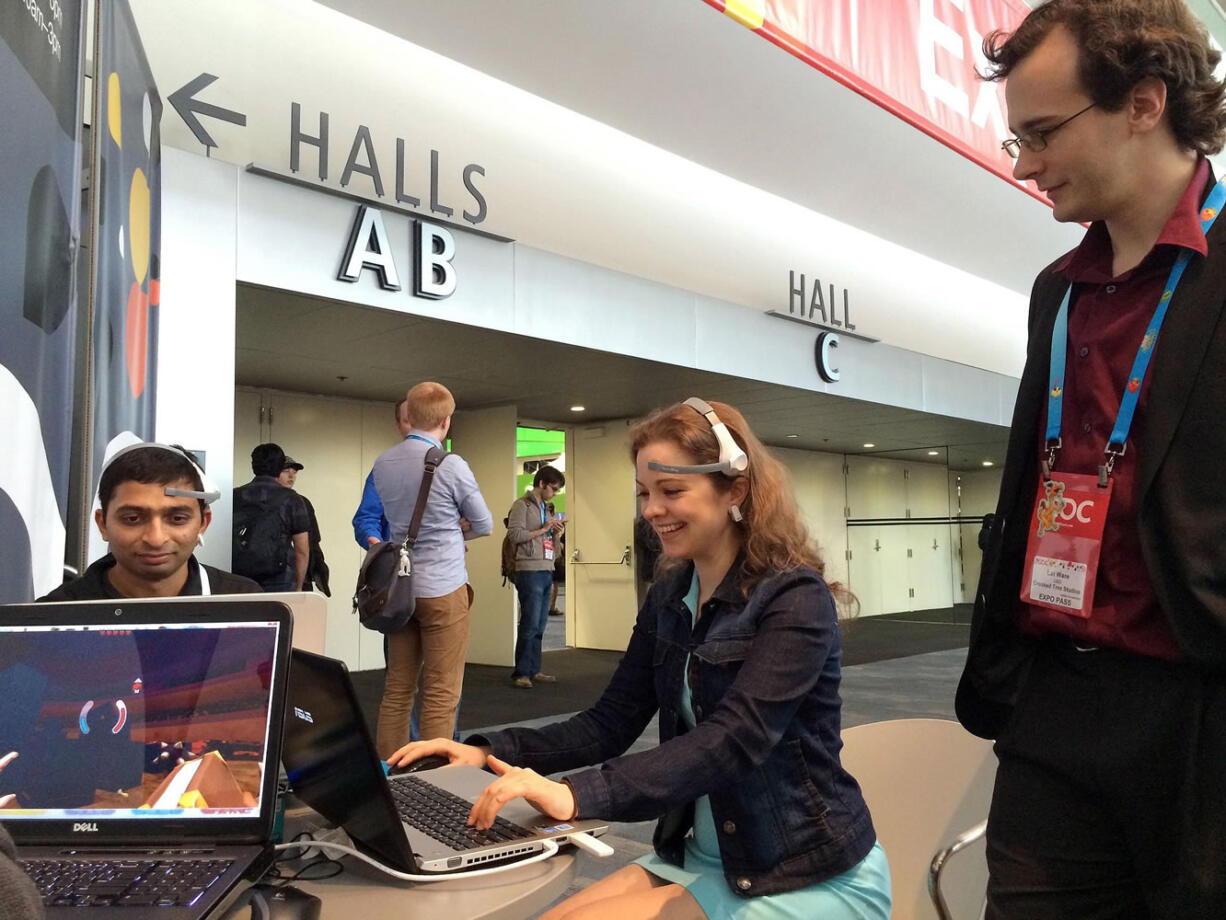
[{"x": 624, "y": 560}]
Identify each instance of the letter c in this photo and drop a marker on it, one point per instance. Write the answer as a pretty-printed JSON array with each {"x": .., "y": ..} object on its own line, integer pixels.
[
  {"x": 825, "y": 342},
  {"x": 1081, "y": 509}
]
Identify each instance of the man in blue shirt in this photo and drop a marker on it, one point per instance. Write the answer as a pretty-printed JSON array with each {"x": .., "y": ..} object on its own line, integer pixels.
[{"x": 432, "y": 647}]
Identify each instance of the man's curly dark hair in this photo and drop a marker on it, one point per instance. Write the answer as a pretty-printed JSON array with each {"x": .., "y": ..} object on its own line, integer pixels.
[{"x": 1122, "y": 42}]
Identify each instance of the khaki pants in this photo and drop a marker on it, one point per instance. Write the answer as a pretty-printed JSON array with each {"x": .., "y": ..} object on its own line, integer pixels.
[{"x": 430, "y": 649}]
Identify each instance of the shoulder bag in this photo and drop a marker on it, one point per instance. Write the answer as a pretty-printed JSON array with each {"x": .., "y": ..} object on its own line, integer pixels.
[{"x": 383, "y": 599}]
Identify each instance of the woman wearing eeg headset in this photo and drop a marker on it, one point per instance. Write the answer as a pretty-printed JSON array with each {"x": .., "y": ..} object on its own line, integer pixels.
[{"x": 738, "y": 648}]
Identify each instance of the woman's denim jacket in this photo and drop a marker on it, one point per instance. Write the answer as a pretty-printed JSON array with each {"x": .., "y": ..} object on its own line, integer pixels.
[{"x": 764, "y": 678}]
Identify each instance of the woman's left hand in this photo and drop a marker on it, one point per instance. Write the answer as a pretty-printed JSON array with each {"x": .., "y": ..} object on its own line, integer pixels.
[{"x": 549, "y": 798}]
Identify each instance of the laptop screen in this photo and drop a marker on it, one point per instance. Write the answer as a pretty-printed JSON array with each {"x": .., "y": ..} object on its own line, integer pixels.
[{"x": 136, "y": 719}]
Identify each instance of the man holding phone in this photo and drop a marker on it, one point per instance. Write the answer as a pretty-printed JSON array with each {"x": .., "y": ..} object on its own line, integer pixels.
[{"x": 535, "y": 533}]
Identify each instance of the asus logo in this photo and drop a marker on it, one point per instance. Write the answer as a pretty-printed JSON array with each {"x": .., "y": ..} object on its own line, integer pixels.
[
  {"x": 86, "y": 826},
  {"x": 303, "y": 715}
]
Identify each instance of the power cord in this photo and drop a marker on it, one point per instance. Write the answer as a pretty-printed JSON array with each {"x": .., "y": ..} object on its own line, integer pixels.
[{"x": 550, "y": 848}]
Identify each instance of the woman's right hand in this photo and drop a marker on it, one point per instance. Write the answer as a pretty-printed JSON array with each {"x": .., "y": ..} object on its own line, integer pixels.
[{"x": 455, "y": 752}]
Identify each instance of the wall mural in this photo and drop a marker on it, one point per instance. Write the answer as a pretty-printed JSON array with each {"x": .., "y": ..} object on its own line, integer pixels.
[{"x": 40, "y": 70}]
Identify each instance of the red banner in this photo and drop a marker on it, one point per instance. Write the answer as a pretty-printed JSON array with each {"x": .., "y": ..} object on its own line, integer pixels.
[{"x": 915, "y": 58}]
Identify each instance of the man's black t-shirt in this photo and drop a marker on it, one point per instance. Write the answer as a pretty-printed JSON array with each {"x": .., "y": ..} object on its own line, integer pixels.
[{"x": 95, "y": 586}]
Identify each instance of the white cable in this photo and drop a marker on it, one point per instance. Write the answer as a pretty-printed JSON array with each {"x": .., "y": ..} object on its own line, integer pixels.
[{"x": 550, "y": 848}]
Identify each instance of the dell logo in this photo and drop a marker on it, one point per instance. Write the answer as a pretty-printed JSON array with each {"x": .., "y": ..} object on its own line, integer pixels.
[
  {"x": 85, "y": 826},
  {"x": 303, "y": 715}
]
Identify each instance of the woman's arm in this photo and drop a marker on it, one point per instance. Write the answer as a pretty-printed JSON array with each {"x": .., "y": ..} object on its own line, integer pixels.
[{"x": 783, "y": 664}]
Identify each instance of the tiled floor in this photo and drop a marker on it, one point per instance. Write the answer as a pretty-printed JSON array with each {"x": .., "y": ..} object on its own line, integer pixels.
[{"x": 916, "y": 686}]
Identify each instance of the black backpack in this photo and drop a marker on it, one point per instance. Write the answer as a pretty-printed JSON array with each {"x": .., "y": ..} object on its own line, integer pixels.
[{"x": 261, "y": 546}]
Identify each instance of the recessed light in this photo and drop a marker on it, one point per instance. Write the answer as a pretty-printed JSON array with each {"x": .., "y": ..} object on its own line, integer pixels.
[
  {"x": 578, "y": 408},
  {"x": 793, "y": 436},
  {"x": 870, "y": 445},
  {"x": 988, "y": 463},
  {"x": 934, "y": 453}
]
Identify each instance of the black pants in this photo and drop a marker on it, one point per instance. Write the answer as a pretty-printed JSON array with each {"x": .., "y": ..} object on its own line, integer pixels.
[{"x": 1110, "y": 799}]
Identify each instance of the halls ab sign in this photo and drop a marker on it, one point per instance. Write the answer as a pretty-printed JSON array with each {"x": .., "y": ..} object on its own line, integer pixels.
[{"x": 369, "y": 247}]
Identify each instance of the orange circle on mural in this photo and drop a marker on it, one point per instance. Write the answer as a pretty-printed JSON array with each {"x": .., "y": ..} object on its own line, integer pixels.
[{"x": 136, "y": 340}]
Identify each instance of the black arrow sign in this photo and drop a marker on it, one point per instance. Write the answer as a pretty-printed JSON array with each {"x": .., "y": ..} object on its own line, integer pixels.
[{"x": 189, "y": 107}]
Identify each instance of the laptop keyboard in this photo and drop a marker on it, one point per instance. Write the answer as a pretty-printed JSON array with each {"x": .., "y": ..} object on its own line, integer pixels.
[
  {"x": 441, "y": 815},
  {"x": 124, "y": 882}
]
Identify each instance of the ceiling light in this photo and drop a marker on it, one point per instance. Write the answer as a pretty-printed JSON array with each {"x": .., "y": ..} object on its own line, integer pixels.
[
  {"x": 870, "y": 445},
  {"x": 934, "y": 453},
  {"x": 792, "y": 436},
  {"x": 987, "y": 463},
  {"x": 577, "y": 408}
]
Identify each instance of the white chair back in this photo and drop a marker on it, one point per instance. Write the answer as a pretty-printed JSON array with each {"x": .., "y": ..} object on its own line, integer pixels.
[{"x": 925, "y": 781}]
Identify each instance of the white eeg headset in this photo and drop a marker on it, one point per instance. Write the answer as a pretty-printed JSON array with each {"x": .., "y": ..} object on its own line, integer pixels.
[
  {"x": 210, "y": 492},
  {"x": 732, "y": 461}
]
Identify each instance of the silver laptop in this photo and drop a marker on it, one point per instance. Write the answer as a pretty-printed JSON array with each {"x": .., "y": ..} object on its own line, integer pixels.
[
  {"x": 148, "y": 736},
  {"x": 411, "y": 821}
]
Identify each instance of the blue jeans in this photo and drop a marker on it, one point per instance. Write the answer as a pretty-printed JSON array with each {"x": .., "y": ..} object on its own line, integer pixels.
[
  {"x": 283, "y": 581},
  {"x": 533, "y": 589}
]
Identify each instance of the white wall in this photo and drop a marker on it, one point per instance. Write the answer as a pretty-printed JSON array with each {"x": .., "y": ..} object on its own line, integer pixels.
[
  {"x": 336, "y": 440},
  {"x": 975, "y": 493},
  {"x": 820, "y": 490},
  {"x": 195, "y": 369},
  {"x": 556, "y": 180},
  {"x": 900, "y": 561},
  {"x": 486, "y": 439}
]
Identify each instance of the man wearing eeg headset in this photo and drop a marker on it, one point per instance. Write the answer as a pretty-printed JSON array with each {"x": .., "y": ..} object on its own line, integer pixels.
[{"x": 154, "y": 510}]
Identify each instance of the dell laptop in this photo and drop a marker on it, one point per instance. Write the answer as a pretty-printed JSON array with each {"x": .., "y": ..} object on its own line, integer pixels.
[
  {"x": 412, "y": 821},
  {"x": 147, "y": 737}
]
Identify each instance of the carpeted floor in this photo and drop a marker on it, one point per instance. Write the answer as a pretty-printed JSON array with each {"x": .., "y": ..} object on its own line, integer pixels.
[{"x": 489, "y": 698}]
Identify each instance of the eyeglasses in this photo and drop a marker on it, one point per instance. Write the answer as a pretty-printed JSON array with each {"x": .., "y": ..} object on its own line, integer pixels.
[{"x": 1034, "y": 141}]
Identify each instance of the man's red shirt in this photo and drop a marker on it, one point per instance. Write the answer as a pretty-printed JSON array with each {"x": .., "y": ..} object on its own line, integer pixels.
[{"x": 1108, "y": 317}]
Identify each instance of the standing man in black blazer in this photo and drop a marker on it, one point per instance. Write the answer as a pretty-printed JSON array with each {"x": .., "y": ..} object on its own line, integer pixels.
[{"x": 1098, "y": 645}]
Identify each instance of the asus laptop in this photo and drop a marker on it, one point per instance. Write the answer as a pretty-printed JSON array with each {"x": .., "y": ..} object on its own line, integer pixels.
[
  {"x": 148, "y": 737},
  {"x": 413, "y": 821}
]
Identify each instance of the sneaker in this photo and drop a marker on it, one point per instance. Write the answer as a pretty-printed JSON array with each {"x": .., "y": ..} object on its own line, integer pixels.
[
  {"x": 523, "y": 683},
  {"x": 544, "y": 678}
]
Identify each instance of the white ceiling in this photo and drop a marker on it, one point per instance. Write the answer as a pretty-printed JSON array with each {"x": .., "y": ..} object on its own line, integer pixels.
[
  {"x": 684, "y": 77},
  {"x": 681, "y": 76}
]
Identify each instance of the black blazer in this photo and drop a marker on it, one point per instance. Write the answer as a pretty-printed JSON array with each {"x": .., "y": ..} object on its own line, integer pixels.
[{"x": 1182, "y": 507}]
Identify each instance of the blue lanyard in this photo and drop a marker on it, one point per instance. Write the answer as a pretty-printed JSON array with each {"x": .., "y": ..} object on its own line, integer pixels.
[
  {"x": 417, "y": 437},
  {"x": 1117, "y": 442}
]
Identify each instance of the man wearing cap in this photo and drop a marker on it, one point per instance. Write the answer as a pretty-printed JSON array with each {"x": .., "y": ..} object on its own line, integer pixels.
[
  {"x": 154, "y": 512},
  {"x": 317, "y": 569},
  {"x": 271, "y": 525}
]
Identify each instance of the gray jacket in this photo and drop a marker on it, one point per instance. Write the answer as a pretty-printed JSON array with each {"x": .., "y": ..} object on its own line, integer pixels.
[{"x": 523, "y": 518}]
